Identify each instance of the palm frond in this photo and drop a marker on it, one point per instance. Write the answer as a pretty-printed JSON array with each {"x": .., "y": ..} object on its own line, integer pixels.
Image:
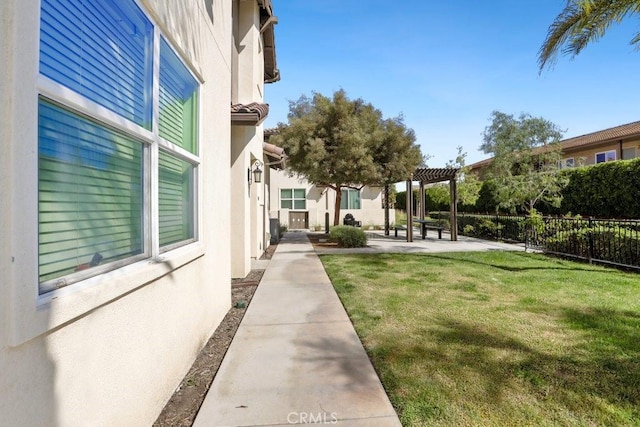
[{"x": 582, "y": 22}]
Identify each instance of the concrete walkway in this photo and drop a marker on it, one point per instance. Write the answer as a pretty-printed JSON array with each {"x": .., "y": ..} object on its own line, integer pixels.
[
  {"x": 377, "y": 242},
  {"x": 296, "y": 358}
]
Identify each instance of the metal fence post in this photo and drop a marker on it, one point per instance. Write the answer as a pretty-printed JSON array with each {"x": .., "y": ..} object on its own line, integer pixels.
[{"x": 590, "y": 239}]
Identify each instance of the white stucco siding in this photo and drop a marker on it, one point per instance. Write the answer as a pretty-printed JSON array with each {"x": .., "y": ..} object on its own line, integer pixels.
[
  {"x": 110, "y": 350},
  {"x": 247, "y": 197}
]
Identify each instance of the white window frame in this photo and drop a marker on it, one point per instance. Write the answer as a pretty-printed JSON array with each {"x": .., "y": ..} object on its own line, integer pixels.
[
  {"x": 293, "y": 198},
  {"x": 606, "y": 159},
  {"x": 569, "y": 162},
  {"x": 31, "y": 313},
  {"x": 346, "y": 191}
]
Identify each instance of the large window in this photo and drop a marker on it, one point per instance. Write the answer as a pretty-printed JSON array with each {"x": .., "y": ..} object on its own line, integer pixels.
[
  {"x": 566, "y": 163},
  {"x": 350, "y": 199},
  {"x": 606, "y": 156},
  {"x": 293, "y": 198},
  {"x": 117, "y": 141},
  {"x": 629, "y": 153}
]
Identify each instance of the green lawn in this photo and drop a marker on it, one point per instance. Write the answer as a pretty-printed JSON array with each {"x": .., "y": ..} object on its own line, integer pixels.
[{"x": 497, "y": 338}]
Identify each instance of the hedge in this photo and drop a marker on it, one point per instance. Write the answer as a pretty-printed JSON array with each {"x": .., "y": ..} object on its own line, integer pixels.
[{"x": 605, "y": 190}]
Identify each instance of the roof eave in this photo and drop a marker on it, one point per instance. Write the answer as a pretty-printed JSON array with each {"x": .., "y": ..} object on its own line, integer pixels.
[
  {"x": 246, "y": 119},
  {"x": 267, "y": 24}
]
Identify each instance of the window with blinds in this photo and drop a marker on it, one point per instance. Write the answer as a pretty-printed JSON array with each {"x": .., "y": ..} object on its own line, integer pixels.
[
  {"x": 90, "y": 194},
  {"x": 94, "y": 178},
  {"x": 178, "y": 101},
  {"x": 102, "y": 50},
  {"x": 175, "y": 200},
  {"x": 177, "y": 124}
]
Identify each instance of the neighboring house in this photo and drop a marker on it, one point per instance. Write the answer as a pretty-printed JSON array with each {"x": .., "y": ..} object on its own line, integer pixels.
[
  {"x": 118, "y": 168},
  {"x": 299, "y": 204},
  {"x": 253, "y": 55},
  {"x": 616, "y": 143}
]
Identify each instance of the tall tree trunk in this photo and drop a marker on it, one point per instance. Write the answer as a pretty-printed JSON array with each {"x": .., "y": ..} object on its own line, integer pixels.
[{"x": 336, "y": 214}]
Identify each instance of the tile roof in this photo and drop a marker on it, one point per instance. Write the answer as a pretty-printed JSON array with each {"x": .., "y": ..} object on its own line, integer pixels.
[
  {"x": 270, "y": 132},
  {"x": 249, "y": 114},
  {"x": 276, "y": 155},
  {"x": 629, "y": 130},
  {"x": 606, "y": 135}
]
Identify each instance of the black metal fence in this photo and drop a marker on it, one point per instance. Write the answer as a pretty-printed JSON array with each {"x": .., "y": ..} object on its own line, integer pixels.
[{"x": 606, "y": 241}]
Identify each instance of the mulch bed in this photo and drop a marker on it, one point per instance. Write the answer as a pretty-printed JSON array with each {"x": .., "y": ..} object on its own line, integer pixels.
[
  {"x": 183, "y": 406},
  {"x": 321, "y": 240}
]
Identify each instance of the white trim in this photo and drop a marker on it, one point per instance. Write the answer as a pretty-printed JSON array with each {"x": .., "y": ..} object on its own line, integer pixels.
[
  {"x": 615, "y": 156},
  {"x": 293, "y": 198},
  {"x": 85, "y": 107},
  {"x": 179, "y": 152}
]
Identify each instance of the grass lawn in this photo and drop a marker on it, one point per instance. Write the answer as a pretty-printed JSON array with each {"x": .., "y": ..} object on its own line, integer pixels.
[{"x": 497, "y": 338}]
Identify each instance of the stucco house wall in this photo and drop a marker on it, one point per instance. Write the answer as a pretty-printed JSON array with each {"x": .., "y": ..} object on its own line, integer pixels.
[
  {"x": 624, "y": 150},
  {"x": 623, "y": 142},
  {"x": 321, "y": 200},
  {"x": 249, "y": 199},
  {"x": 110, "y": 350}
]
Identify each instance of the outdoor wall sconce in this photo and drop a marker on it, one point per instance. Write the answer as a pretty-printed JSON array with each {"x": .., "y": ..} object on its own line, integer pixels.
[{"x": 257, "y": 171}]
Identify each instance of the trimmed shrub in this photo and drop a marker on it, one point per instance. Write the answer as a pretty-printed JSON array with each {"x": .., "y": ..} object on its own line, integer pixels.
[
  {"x": 605, "y": 190},
  {"x": 348, "y": 237}
]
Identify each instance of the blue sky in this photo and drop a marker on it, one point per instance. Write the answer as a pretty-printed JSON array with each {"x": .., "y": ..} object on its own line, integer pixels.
[{"x": 445, "y": 66}]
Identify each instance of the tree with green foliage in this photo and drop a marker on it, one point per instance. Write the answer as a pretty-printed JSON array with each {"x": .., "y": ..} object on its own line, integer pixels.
[
  {"x": 526, "y": 153},
  {"x": 581, "y": 22},
  {"x": 468, "y": 184},
  {"x": 342, "y": 143}
]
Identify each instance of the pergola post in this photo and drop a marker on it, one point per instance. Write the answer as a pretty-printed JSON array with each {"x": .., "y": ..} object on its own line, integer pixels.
[
  {"x": 409, "y": 211},
  {"x": 422, "y": 201},
  {"x": 454, "y": 209}
]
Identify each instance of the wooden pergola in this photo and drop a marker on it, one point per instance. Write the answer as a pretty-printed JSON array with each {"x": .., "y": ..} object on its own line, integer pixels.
[{"x": 429, "y": 176}]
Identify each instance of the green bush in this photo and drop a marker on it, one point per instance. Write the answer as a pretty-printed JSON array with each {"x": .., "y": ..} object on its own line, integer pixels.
[
  {"x": 481, "y": 226},
  {"x": 605, "y": 190},
  {"x": 348, "y": 237}
]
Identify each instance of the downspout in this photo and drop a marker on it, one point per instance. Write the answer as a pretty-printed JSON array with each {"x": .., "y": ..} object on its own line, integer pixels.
[{"x": 620, "y": 150}]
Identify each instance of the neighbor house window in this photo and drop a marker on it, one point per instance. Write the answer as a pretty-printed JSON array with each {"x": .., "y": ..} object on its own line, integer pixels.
[
  {"x": 566, "y": 163},
  {"x": 350, "y": 199},
  {"x": 293, "y": 198},
  {"x": 629, "y": 153},
  {"x": 606, "y": 156},
  {"x": 100, "y": 127}
]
